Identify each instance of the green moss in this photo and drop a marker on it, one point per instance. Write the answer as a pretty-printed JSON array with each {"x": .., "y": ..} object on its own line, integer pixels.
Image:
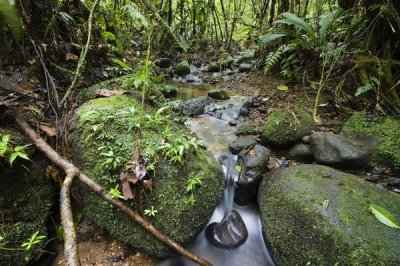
[
  {"x": 382, "y": 135},
  {"x": 283, "y": 128},
  {"x": 300, "y": 230},
  {"x": 116, "y": 129},
  {"x": 183, "y": 68},
  {"x": 214, "y": 67},
  {"x": 245, "y": 128},
  {"x": 25, "y": 201}
]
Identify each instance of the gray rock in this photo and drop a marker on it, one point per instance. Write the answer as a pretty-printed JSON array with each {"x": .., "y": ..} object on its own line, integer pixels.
[
  {"x": 218, "y": 94},
  {"x": 245, "y": 67},
  {"x": 245, "y": 57},
  {"x": 163, "y": 62},
  {"x": 245, "y": 128},
  {"x": 254, "y": 164},
  {"x": 241, "y": 143},
  {"x": 231, "y": 232},
  {"x": 315, "y": 215},
  {"x": 194, "y": 106},
  {"x": 189, "y": 78},
  {"x": 243, "y": 112},
  {"x": 301, "y": 152},
  {"x": 338, "y": 150}
]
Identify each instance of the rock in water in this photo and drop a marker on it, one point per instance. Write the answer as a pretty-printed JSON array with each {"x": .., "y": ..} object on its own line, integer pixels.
[
  {"x": 337, "y": 150},
  {"x": 183, "y": 68},
  {"x": 254, "y": 163},
  {"x": 241, "y": 143},
  {"x": 231, "y": 232},
  {"x": 315, "y": 215},
  {"x": 193, "y": 107},
  {"x": 218, "y": 94},
  {"x": 106, "y": 128}
]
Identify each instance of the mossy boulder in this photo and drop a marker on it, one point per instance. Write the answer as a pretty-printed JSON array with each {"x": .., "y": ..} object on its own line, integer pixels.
[
  {"x": 245, "y": 128},
  {"x": 26, "y": 197},
  {"x": 284, "y": 127},
  {"x": 315, "y": 215},
  {"x": 182, "y": 68},
  {"x": 214, "y": 67},
  {"x": 103, "y": 138},
  {"x": 380, "y": 135}
]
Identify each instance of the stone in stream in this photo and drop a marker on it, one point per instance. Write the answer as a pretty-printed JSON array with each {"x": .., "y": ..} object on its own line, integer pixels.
[
  {"x": 231, "y": 232},
  {"x": 245, "y": 67},
  {"x": 254, "y": 163},
  {"x": 241, "y": 143},
  {"x": 218, "y": 94},
  {"x": 245, "y": 128},
  {"x": 183, "y": 68},
  {"x": 316, "y": 215},
  {"x": 26, "y": 197},
  {"x": 246, "y": 57},
  {"x": 283, "y": 127},
  {"x": 301, "y": 152},
  {"x": 103, "y": 137},
  {"x": 338, "y": 150},
  {"x": 194, "y": 106}
]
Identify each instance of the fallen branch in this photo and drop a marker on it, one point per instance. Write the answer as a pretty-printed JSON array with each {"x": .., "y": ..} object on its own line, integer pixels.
[{"x": 71, "y": 170}]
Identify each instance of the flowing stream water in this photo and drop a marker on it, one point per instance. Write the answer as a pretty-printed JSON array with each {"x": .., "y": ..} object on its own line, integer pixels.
[{"x": 216, "y": 134}]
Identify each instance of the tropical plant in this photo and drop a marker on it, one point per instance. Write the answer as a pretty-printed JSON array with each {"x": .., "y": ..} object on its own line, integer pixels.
[
  {"x": 191, "y": 185},
  {"x": 34, "y": 240},
  {"x": 150, "y": 212}
]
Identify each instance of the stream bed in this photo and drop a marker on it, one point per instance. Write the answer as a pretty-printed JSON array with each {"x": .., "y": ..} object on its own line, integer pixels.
[{"x": 216, "y": 134}]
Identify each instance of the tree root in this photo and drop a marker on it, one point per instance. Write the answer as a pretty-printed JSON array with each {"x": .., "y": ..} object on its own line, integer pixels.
[{"x": 70, "y": 245}]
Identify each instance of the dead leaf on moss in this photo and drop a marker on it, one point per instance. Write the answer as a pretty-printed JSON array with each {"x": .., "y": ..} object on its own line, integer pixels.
[
  {"x": 71, "y": 57},
  {"x": 108, "y": 93}
]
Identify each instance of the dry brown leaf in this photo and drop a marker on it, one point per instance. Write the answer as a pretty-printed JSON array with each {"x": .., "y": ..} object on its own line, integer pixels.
[
  {"x": 127, "y": 191},
  {"x": 108, "y": 93},
  {"x": 71, "y": 57},
  {"x": 252, "y": 152},
  {"x": 50, "y": 131}
]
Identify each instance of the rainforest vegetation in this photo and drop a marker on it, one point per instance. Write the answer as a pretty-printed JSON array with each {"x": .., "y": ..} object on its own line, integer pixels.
[{"x": 335, "y": 58}]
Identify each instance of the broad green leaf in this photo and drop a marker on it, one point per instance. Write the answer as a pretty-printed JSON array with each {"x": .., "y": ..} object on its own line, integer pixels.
[
  {"x": 282, "y": 87},
  {"x": 384, "y": 216},
  {"x": 122, "y": 64},
  {"x": 292, "y": 19},
  {"x": 270, "y": 37},
  {"x": 108, "y": 36}
]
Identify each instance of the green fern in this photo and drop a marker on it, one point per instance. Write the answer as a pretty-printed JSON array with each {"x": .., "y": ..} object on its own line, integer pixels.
[
  {"x": 274, "y": 57},
  {"x": 370, "y": 85}
]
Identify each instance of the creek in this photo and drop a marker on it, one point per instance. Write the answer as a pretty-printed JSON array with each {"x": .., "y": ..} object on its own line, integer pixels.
[{"x": 216, "y": 134}]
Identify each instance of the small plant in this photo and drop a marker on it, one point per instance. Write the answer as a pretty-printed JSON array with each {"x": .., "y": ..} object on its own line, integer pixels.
[
  {"x": 191, "y": 186},
  {"x": 175, "y": 152},
  {"x": 150, "y": 212},
  {"x": 32, "y": 242},
  {"x": 115, "y": 193},
  {"x": 111, "y": 159},
  {"x": 17, "y": 151}
]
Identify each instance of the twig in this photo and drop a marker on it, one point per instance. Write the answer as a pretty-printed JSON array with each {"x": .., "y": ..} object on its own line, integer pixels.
[
  {"x": 82, "y": 59},
  {"x": 70, "y": 170}
]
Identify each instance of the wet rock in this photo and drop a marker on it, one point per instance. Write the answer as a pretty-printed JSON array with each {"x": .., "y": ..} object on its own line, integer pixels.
[
  {"x": 213, "y": 67},
  {"x": 254, "y": 163},
  {"x": 283, "y": 127},
  {"x": 337, "y": 150},
  {"x": 301, "y": 152},
  {"x": 241, "y": 143},
  {"x": 194, "y": 106},
  {"x": 227, "y": 110},
  {"x": 183, "y": 68},
  {"x": 163, "y": 62},
  {"x": 245, "y": 67},
  {"x": 218, "y": 94},
  {"x": 183, "y": 220},
  {"x": 194, "y": 70},
  {"x": 243, "y": 112},
  {"x": 231, "y": 232},
  {"x": 245, "y": 128},
  {"x": 313, "y": 214},
  {"x": 190, "y": 78}
]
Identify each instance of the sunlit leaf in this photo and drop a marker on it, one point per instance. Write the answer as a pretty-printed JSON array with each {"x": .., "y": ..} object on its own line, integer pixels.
[
  {"x": 384, "y": 216},
  {"x": 282, "y": 87}
]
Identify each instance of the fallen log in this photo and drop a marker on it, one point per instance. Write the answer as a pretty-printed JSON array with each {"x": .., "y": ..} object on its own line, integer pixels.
[{"x": 70, "y": 245}]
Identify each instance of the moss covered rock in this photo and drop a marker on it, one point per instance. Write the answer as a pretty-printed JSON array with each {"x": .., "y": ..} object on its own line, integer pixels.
[
  {"x": 315, "y": 215},
  {"x": 380, "y": 135},
  {"x": 103, "y": 138},
  {"x": 284, "y": 127},
  {"x": 183, "y": 68},
  {"x": 218, "y": 94},
  {"x": 26, "y": 197}
]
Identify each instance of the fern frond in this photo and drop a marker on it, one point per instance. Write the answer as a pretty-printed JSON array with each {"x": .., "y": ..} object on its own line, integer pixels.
[{"x": 274, "y": 57}]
